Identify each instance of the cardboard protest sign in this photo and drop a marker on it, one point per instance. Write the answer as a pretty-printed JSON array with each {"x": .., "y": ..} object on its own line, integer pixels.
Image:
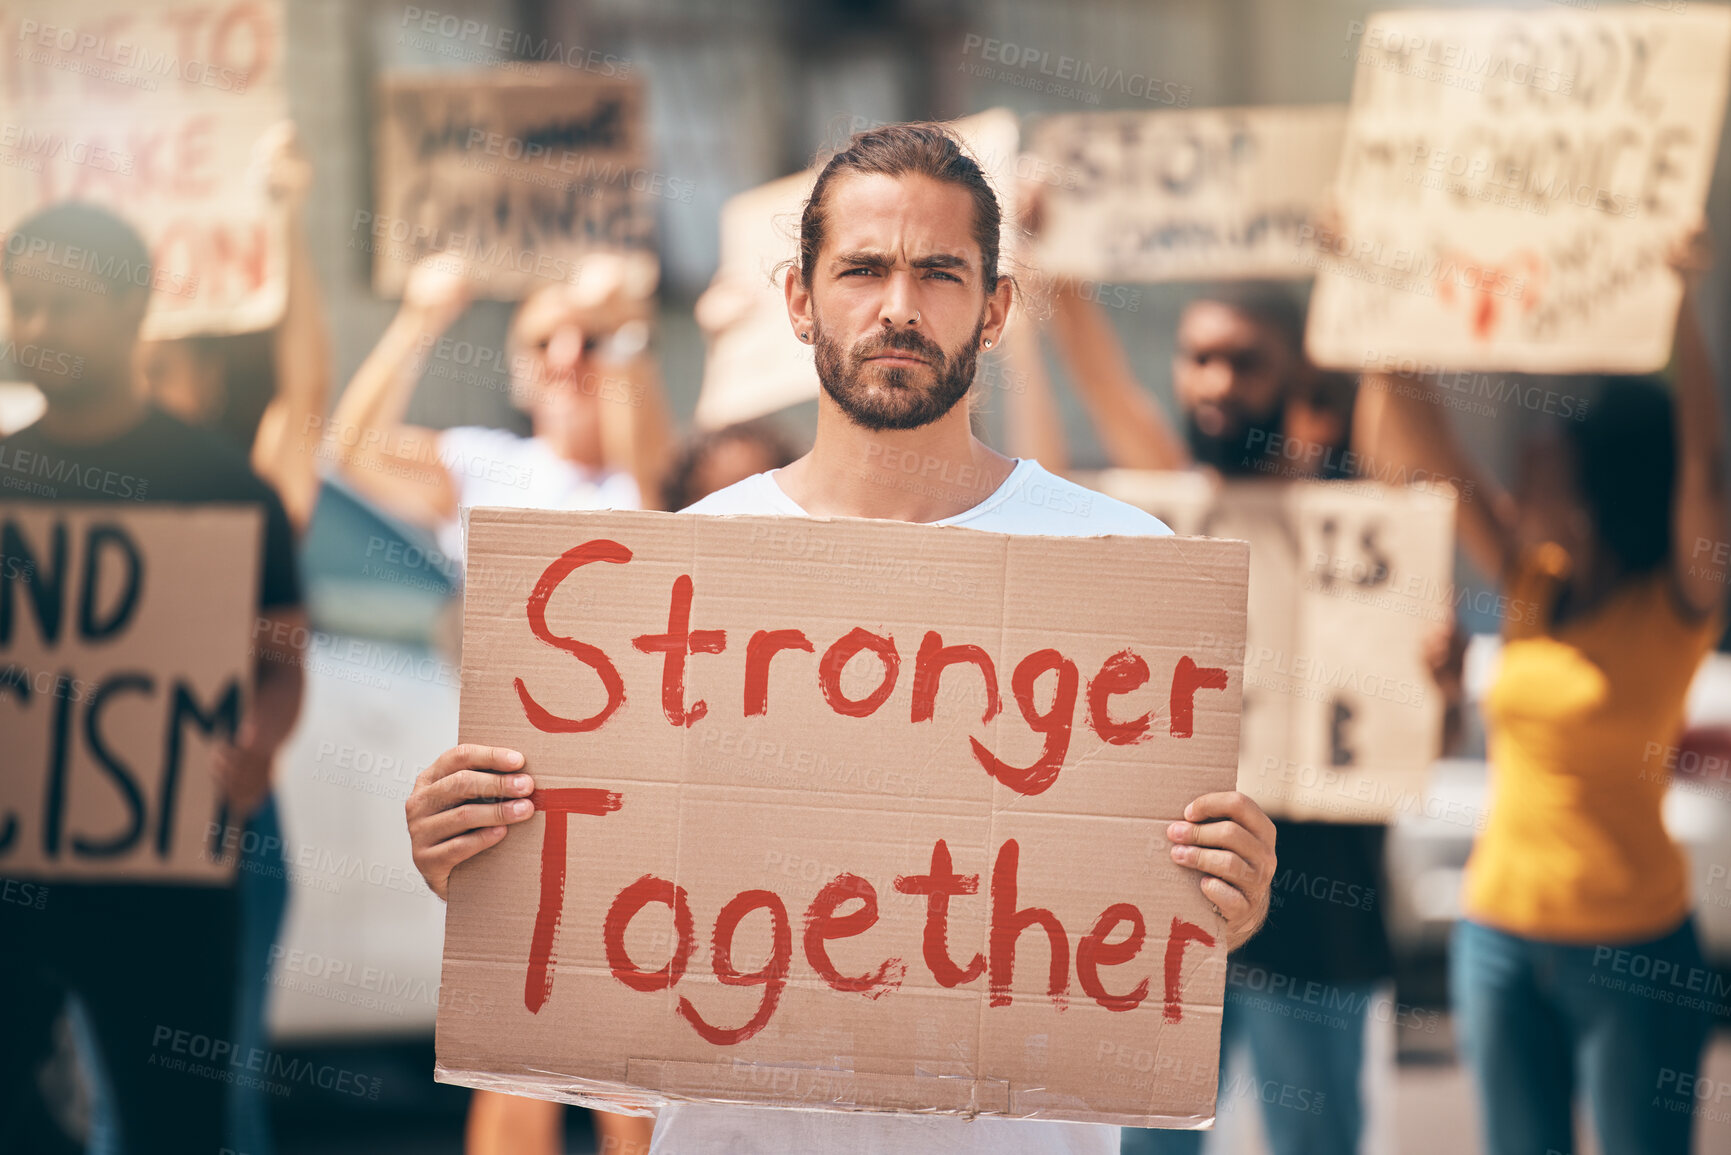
[
  {"x": 153, "y": 107},
  {"x": 843, "y": 814},
  {"x": 1348, "y": 580},
  {"x": 755, "y": 364},
  {"x": 1182, "y": 194},
  {"x": 1511, "y": 184},
  {"x": 512, "y": 175},
  {"x": 125, "y": 642}
]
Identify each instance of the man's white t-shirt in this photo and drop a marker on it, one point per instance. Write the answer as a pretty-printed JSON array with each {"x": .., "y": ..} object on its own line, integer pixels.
[
  {"x": 1031, "y": 500},
  {"x": 497, "y": 467}
]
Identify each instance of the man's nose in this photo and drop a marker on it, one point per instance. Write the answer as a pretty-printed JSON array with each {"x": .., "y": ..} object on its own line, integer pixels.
[
  {"x": 1218, "y": 379},
  {"x": 1236, "y": 382},
  {"x": 900, "y": 309}
]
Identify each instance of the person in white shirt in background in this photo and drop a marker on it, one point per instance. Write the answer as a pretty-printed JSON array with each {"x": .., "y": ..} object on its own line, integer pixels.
[
  {"x": 580, "y": 364},
  {"x": 898, "y": 290}
]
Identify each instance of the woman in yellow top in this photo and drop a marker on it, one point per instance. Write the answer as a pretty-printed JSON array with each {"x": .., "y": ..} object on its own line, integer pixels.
[{"x": 1576, "y": 969}]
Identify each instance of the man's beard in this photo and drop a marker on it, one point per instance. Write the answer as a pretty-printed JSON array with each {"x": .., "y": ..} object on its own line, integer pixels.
[
  {"x": 1238, "y": 451},
  {"x": 894, "y": 401}
]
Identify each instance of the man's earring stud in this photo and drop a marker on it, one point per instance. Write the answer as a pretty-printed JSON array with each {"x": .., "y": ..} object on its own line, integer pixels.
[{"x": 988, "y": 342}]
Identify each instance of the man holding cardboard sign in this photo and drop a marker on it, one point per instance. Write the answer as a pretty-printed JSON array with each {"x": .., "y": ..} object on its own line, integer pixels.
[
  {"x": 143, "y": 644},
  {"x": 897, "y": 288}
]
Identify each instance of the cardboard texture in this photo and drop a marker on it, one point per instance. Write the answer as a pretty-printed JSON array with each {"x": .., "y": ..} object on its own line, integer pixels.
[
  {"x": 755, "y": 365},
  {"x": 1182, "y": 194},
  {"x": 512, "y": 175},
  {"x": 559, "y": 940},
  {"x": 125, "y": 658},
  {"x": 1511, "y": 184},
  {"x": 153, "y": 107},
  {"x": 1348, "y": 580}
]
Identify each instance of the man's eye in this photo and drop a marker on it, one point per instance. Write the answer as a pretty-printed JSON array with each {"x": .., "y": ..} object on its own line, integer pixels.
[
  {"x": 940, "y": 274},
  {"x": 861, "y": 269}
]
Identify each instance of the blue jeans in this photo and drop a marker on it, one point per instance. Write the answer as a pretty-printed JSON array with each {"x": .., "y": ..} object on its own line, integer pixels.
[
  {"x": 263, "y": 883},
  {"x": 1622, "y": 1026},
  {"x": 1306, "y": 1048}
]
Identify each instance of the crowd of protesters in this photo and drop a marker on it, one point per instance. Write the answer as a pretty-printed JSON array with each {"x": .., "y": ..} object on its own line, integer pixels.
[{"x": 1597, "y": 533}]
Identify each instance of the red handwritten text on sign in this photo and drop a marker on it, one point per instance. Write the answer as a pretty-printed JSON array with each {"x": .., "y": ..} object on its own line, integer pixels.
[{"x": 824, "y": 920}]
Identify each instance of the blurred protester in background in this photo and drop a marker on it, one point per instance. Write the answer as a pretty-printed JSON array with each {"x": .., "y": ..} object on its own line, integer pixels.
[
  {"x": 1243, "y": 383},
  {"x": 1609, "y": 617},
  {"x": 1238, "y": 370},
  {"x": 138, "y": 956},
  {"x": 258, "y": 390},
  {"x": 581, "y": 366},
  {"x": 262, "y": 390},
  {"x": 715, "y": 459}
]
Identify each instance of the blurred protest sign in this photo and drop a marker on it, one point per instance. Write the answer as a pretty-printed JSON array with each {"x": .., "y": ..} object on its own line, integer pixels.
[
  {"x": 511, "y": 175},
  {"x": 755, "y": 364},
  {"x": 1510, "y": 185},
  {"x": 153, "y": 108},
  {"x": 1348, "y": 580},
  {"x": 976, "y": 737},
  {"x": 1182, "y": 194},
  {"x": 125, "y": 643}
]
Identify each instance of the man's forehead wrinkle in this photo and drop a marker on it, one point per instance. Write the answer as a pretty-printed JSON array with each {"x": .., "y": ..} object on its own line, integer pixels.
[
  {"x": 942, "y": 260},
  {"x": 880, "y": 258},
  {"x": 902, "y": 218},
  {"x": 875, "y": 257}
]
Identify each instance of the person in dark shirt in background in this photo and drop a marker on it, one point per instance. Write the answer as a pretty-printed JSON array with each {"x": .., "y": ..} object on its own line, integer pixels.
[
  {"x": 140, "y": 956},
  {"x": 1244, "y": 386},
  {"x": 265, "y": 391}
]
